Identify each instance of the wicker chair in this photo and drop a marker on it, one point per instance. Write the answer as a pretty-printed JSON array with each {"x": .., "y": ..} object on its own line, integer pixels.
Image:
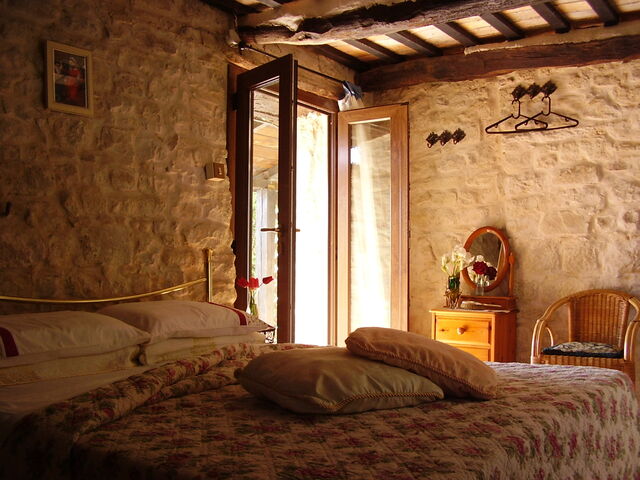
[{"x": 600, "y": 316}]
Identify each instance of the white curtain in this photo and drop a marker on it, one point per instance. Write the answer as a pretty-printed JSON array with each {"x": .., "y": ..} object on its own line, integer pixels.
[{"x": 370, "y": 225}]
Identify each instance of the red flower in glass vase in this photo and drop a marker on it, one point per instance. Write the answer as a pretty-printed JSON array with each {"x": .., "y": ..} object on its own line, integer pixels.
[
  {"x": 491, "y": 272},
  {"x": 481, "y": 273},
  {"x": 480, "y": 268},
  {"x": 253, "y": 284}
]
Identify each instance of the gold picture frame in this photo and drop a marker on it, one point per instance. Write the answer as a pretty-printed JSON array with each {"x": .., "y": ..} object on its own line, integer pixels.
[{"x": 69, "y": 79}]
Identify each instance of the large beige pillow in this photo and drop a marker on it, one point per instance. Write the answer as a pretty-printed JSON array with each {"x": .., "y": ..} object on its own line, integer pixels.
[
  {"x": 29, "y": 338},
  {"x": 165, "y": 319},
  {"x": 459, "y": 373},
  {"x": 122, "y": 359},
  {"x": 332, "y": 380}
]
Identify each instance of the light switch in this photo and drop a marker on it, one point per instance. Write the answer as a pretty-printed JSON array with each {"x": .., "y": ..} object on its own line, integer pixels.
[{"x": 214, "y": 171}]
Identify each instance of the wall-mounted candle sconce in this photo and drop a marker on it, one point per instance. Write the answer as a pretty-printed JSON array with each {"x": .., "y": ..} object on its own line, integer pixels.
[{"x": 444, "y": 137}]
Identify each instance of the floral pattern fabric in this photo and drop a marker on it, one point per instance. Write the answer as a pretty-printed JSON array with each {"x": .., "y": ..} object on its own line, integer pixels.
[
  {"x": 190, "y": 420},
  {"x": 584, "y": 349}
]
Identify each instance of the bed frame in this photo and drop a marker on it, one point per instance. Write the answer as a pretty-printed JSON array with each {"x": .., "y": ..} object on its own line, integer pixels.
[{"x": 207, "y": 280}]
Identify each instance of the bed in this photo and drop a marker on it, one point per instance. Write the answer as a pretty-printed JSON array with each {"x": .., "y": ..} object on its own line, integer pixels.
[{"x": 190, "y": 418}]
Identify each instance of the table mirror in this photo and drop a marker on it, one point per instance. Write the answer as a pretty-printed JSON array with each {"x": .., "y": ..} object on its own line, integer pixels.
[{"x": 493, "y": 245}]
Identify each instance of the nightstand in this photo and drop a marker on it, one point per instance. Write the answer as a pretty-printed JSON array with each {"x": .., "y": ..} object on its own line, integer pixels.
[{"x": 489, "y": 335}]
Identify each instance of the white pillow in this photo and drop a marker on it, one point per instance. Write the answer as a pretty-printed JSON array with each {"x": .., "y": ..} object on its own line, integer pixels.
[
  {"x": 184, "y": 319},
  {"x": 37, "y": 337}
]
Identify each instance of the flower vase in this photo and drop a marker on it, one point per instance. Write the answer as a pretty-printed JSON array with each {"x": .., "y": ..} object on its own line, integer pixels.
[
  {"x": 452, "y": 293},
  {"x": 481, "y": 282},
  {"x": 253, "y": 305}
]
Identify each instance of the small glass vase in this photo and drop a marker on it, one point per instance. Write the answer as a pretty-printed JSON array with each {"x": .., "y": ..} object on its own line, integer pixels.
[
  {"x": 452, "y": 293},
  {"x": 253, "y": 305},
  {"x": 481, "y": 282}
]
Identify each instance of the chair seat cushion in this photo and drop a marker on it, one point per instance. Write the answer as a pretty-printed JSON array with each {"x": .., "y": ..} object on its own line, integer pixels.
[{"x": 584, "y": 349}]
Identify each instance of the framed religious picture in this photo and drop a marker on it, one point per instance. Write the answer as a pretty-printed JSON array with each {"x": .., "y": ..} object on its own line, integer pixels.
[{"x": 69, "y": 79}]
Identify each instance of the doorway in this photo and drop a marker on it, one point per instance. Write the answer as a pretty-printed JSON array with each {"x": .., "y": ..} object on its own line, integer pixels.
[{"x": 295, "y": 202}]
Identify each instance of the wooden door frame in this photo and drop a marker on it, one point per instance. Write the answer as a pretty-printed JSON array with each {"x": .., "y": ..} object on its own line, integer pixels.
[
  {"x": 310, "y": 100},
  {"x": 398, "y": 115}
]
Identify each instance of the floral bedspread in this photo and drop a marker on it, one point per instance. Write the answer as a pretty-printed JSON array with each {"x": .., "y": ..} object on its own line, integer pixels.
[{"x": 190, "y": 420}]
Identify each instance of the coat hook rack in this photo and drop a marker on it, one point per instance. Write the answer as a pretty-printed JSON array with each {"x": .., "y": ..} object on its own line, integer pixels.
[
  {"x": 547, "y": 89},
  {"x": 517, "y": 95},
  {"x": 538, "y": 122},
  {"x": 445, "y": 136}
]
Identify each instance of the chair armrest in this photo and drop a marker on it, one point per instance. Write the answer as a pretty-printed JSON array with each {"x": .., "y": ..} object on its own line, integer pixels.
[
  {"x": 632, "y": 331},
  {"x": 541, "y": 326}
]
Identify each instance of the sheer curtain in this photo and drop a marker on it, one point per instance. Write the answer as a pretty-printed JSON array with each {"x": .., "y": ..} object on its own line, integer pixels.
[{"x": 370, "y": 224}]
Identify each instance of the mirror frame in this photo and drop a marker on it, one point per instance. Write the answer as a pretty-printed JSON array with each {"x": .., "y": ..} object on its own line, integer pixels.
[{"x": 504, "y": 266}]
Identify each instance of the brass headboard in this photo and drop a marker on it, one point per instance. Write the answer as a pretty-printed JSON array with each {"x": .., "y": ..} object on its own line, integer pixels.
[{"x": 206, "y": 280}]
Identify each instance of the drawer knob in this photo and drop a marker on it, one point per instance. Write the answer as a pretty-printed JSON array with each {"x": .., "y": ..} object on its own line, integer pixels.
[{"x": 461, "y": 330}]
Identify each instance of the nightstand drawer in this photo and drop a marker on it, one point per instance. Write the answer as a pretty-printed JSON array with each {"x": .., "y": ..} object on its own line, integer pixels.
[
  {"x": 479, "y": 353},
  {"x": 463, "y": 331}
]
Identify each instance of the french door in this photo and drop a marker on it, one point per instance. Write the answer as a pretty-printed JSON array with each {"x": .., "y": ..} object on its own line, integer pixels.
[
  {"x": 265, "y": 222},
  {"x": 372, "y": 219},
  {"x": 332, "y": 231}
]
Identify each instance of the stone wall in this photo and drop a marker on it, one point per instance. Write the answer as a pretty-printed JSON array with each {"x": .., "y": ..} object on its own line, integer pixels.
[
  {"x": 116, "y": 203},
  {"x": 567, "y": 199}
]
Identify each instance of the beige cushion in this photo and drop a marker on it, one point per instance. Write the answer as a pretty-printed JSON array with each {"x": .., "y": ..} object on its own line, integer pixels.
[
  {"x": 332, "y": 380},
  {"x": 184, "y": 319},
  {"x": 459, "y": 373}
]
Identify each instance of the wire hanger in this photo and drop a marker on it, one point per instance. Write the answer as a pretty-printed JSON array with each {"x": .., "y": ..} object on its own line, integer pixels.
[
  {"x": 547, "y": 89},
  {"x": 517, "y": 94}
]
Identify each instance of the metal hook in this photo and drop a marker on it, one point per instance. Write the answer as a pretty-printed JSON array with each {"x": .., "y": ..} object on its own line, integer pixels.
[
  {"x": 432, "y": 139},
  {"x": 445, "y": 137},
  {"x": 458, "y": 135}
]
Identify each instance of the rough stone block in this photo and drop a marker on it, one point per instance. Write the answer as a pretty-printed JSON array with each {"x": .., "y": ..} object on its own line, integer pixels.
[{"x": 580, "y": 174}]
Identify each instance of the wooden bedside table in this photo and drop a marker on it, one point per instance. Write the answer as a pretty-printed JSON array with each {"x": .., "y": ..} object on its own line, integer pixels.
[{"x": 486, "y": 334}]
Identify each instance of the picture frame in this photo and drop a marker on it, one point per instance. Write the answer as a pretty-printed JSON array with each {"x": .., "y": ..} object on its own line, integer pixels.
[{"x": 69, "y": 79}]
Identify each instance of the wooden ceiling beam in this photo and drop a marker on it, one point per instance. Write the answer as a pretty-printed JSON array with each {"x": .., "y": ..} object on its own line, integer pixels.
[
  {"x": 278, "y": 25},
  {"x": 552, "y": 16},
  {"x": 605, "y": 11},
  {"x": 458, "y": 33},
  {"x": 270, "y": 3},
  {"x": 340, "y": 57},
  {"x": 503, "y": 25},
  {"x": 376, "y": 50},
  {"x": 415, "y": 43},
  {"x": 231, "y": 6},
  {"x": 490, "y": 63}
]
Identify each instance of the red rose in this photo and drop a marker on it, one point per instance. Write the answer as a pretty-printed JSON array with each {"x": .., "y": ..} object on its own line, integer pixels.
[
  {"x": 253, "y": 282},
  {"x": 491, "y": 273},
  {"x": 242, "y": 282},
  {"x": 480, "y": 268},
  {"x": 268, "y": 279}
]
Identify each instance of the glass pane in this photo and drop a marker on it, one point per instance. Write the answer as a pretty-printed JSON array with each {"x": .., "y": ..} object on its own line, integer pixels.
[
  {"x": 370, "y": 224},
  {"x": 264, "y": 181},
  {"x": 312, "y": 219}
]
